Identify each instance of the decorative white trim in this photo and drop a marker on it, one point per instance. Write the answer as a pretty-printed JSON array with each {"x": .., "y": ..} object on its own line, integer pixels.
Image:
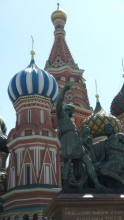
[
  {"x": 33, "y": 137},
  {"x": 19, "y": 149},
  {"x": 31, "y": 107},
  {"x": 27, "y": 199},
  {"x": 52, "y": 167},
  {"x": 42, "y": 165},
  {"x": 13, "y": 192},
  {"x": 37, "y": 147},
  {"x": 65, "y": 68}
]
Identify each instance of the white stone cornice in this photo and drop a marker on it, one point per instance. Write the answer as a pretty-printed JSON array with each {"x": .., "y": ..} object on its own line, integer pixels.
[
  {"x": 20, "y": 191},
  {"x": 64, "y": 68},
  {"x": 33, "y": 137}
]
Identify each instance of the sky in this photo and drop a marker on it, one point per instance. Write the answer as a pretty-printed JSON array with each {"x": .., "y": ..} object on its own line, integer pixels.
[{"x": 94, "y": 34}]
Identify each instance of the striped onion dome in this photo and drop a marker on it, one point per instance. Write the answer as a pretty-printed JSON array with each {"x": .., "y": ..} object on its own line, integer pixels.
[
  {"x": 31, "y": 81},
  {"x": 98, "y": 119},
  {"x": 117, "y": 105}
]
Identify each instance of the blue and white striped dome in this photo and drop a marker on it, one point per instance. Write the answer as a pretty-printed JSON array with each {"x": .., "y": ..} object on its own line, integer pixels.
[{"x": 31, "y": 81}]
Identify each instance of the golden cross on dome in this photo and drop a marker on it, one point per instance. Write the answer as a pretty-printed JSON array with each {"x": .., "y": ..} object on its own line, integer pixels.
[
  {"x": 32, "y": 42},
  {"x": 97, "y": 96},
  {"x": 58, "y": 4},
  {"x": 32, "y": 51}
]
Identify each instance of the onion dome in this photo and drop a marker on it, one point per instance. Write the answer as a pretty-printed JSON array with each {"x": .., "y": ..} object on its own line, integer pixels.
[
  {"x": 32, "y": 81},
  {"x": 58, "y": 14},
  {"x": 98, "y": 119},
  {"x": 117, "y": 106},
  {"x": 3, "y": 137}
]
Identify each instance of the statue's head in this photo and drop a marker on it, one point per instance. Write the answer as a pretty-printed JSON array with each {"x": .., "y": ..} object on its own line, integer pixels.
[
  {"x": 69, "y": 110},
  {"x": 109, "y": 129},
  {"x": 86, "y": 129}
]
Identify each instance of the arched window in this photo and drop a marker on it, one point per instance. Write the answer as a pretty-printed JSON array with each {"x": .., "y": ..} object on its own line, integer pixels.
[
  {"x": 42, "y": 116},
  {"x": 63, "y": 78},
  {"x": 16, "y": 217},
  {"x": 25, "y": 217},
  {"x": 72, "y": 79},
  {"x": 29, "y": 116},
  {"x": 35, "y": 216}
]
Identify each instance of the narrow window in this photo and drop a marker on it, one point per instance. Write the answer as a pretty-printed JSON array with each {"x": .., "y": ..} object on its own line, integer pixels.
[
  {"x": 29, "y": 116},
  {"x": 48, "y": 177},
  {"x": 45, "y": 133},
  {"x": 42, "y": 116},
  {"x": 28, "y": 175}
]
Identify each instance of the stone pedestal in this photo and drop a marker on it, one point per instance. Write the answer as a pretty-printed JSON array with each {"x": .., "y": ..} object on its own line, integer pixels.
[{"x": 86, "y": 206}]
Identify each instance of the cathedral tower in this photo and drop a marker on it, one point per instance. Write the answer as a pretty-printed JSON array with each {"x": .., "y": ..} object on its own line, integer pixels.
[
  {"x": 63, "y": 67},
  {"x": 34, "y": 176}
]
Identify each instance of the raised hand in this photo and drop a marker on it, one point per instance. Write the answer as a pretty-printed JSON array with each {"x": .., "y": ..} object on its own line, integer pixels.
[{"x": 68, "y": 86}]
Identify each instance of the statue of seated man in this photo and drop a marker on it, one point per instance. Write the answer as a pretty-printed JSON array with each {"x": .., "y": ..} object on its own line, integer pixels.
[
  {"x": 72, "y": 148},
  {"x": 114, "y": 154},
  {"x": 107, "y": 155}
]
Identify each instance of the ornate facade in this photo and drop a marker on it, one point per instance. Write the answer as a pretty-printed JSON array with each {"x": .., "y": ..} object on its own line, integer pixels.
[{"x": 34, "y": 172}]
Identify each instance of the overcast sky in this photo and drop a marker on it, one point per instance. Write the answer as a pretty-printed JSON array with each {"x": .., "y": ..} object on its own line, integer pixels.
[{"x": 94, "y": 34}]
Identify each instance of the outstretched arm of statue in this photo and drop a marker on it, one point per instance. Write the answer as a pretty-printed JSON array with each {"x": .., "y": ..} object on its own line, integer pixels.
[
  {"x": 121, "y": 137},
  {"x": 59, "y": 105}
]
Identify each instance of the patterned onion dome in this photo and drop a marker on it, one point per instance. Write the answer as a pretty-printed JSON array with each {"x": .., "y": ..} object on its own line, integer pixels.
[
  {"x": 31, "y": 81},
  {"x": 98, "y": 119},
  {"x": 117, "y": 106},
  {"x": 58, "y": 14},
  {"x": 3, "y": 137}
]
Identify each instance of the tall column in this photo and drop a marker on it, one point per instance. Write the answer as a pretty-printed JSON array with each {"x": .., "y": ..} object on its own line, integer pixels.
[
  {"x": 12, "y": 217},
  {"x": 40, "y": 216},
  {"x": 20, "y": 217},
  {"x": 30, "y": 216}
]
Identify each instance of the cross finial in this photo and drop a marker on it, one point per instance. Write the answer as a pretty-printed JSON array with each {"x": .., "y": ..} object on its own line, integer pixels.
[
  {"x": 58, "y": 4},
  {"x": 32, "y": 51},
  {"x": 32, "y": 42},
  {"x": 97, "y": 96}
]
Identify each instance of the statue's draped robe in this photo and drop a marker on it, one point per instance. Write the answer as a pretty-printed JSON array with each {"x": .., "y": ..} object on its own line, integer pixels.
[
  {"x": 69, "y": 135},
  {"x": 110, "y": 150}
]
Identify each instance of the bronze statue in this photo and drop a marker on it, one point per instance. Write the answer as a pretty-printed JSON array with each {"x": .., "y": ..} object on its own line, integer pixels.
[
  {"x": 107, "y": 155},
  {"x": 72, "y": 149},
  {"x": 114, "y": 154}
]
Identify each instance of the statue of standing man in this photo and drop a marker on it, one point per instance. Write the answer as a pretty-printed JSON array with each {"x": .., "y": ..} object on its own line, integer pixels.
[{"x": 70, "y": 142}]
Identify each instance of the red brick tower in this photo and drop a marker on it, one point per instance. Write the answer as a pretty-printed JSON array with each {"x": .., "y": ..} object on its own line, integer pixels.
[
  {"x": 63, "y": 67},
  {"x": 34, "y": 175}
]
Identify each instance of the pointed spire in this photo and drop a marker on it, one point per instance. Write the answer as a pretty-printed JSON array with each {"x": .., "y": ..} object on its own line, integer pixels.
[
  {"x": 32, "y": 51},
  {"x": 60, "y": 54},
  {"x": 98, "y": 105}
]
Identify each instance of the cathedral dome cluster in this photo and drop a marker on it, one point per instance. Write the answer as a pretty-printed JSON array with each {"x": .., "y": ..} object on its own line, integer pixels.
[
  {"x": 31, "y": 81},
  {"x": 98, "y": 119}
]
